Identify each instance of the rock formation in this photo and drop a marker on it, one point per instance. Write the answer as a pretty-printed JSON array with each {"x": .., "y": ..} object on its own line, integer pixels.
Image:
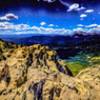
[{"x": 34, "y": 73}]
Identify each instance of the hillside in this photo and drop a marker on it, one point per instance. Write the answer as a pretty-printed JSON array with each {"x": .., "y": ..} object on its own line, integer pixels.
[{"x": 34, "y": 73}]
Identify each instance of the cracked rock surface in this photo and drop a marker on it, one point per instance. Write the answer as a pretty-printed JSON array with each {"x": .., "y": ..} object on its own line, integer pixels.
[{"x": 34, "y": 73}]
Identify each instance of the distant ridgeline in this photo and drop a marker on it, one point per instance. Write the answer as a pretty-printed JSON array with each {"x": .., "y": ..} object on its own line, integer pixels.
[{"x": 65, "y": 45}]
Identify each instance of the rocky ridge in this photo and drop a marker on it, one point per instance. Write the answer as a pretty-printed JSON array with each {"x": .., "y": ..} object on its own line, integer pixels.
[{"x": 34, "y": 73}]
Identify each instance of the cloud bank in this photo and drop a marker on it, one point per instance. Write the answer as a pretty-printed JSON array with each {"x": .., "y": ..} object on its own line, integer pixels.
[{"x": 9, "y": 28}]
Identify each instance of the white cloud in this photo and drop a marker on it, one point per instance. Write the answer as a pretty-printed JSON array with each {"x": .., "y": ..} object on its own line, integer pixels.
[
  {"x": 64, "y": 3},
  {"x": 72, "y": 7},
  {"x": 92, "y": 26},
  {"x": 11, "y": 16},
  {"x": 10, "y": 28},
  {"x": 83, "y": 15},
  {"x": 16, "y": 27},
  {"x": 4, "y": 18},
  {"x": 75, "y": 7},
  {"x": 51, "y": 25},
  {"x": 8, "y": 17},
  {"x": 49, "y": 1},
  {"x": 43, "y": 23},
  {"x": 94, "y": 31},
  {"x": 81, "y": 8},
  {"x": 89, "y": 26},
  {"x": 89, "y": 29},
  {"x": 78, "y": 29},
  {"x": 52, "y": 31},
  {"x": 80, "y": 25},
  {"x": 89, "y": 11}
]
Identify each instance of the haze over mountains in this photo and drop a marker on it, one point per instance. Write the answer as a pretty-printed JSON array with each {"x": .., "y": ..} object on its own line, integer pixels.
[{"x": 64, "y": 45}]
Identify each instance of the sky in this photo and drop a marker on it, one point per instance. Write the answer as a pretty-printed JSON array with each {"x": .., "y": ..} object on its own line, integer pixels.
[{"x": 61, "y": 17}]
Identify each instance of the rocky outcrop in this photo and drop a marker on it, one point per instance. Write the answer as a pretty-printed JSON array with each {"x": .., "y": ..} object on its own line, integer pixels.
[{"x": 34, "y": 73}]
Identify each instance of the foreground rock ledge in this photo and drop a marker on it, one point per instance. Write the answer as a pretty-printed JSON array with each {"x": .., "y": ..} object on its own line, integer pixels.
[{"x": 34, "y": 73}]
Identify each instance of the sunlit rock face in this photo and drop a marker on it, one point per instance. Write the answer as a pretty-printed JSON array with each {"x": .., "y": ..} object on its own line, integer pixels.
[{"x": 34, "y": 73}]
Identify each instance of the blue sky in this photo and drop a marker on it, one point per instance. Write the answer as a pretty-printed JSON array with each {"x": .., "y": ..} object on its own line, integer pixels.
[
  {"x": 62, "y": 19},
  {"x": 29, "y": 20}
]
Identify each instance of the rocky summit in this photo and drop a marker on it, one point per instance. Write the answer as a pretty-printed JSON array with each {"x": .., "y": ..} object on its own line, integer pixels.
[{"x": 35, "y": 73}]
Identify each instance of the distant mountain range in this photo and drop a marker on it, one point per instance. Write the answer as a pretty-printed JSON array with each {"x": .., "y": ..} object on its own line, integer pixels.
[
  {"x": 53, "y": 40},
  {"x": 60, "y": 43}
]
